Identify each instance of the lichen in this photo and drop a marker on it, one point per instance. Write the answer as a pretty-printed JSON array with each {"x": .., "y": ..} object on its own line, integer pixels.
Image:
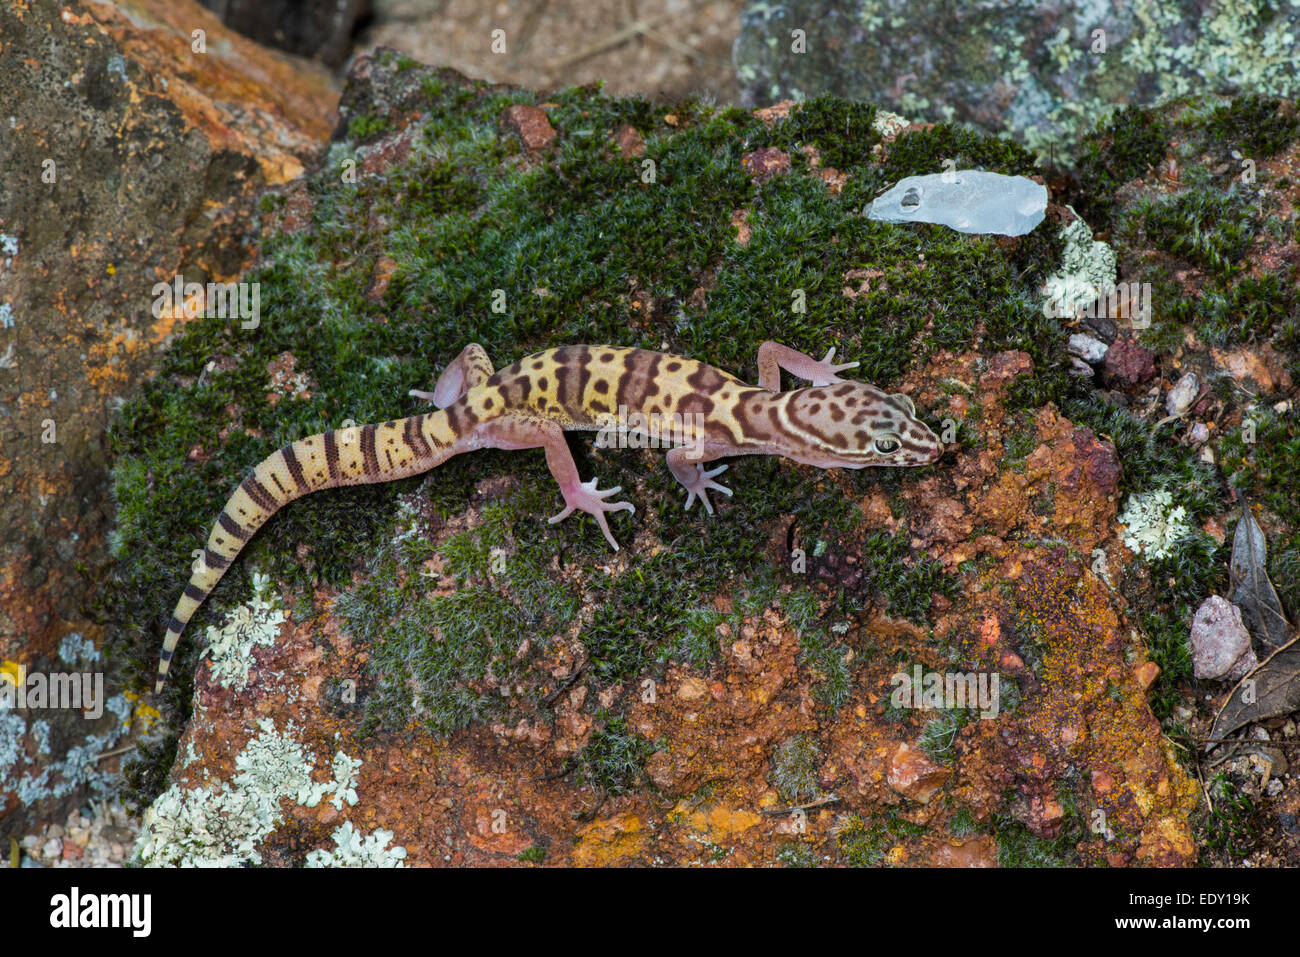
[
  {"x": 1087, "y": 271},
  {"x": 1153, "y": 524},
  {"x": 222, "y": 824},
  {"x": 352, "y": 850},
  {"x": 253, "y": 624}
]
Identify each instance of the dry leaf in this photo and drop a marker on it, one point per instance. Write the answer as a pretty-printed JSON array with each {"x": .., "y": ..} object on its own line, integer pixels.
[
  {"x": 1274, "y": 689},
  {"x": 1252, "y": 592}
]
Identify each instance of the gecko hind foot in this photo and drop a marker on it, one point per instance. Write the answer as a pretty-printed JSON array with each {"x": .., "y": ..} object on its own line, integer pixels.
[
  {"x": 587, "y": 498},
  {"x": 702, "y": 484}
]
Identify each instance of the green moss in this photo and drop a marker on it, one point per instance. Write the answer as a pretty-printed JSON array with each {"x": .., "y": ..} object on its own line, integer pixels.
[
  {"x": 533, "y": 855},
  {"x": 842, "y": 131},
  {"x": 1122, "y": 148},
  {"x": 797, "y": 855},
  {"x": 860, "y": 845},
  {"x": 939, "y": 736},
  {"x": 367, "y": 127},
  {"x": 1204, "y": 226},
  {"x": 614, "y": 758},
  {"x": 863, "y": 842},
  {"x": 926, "y": 151},
  {"x": 1253, "y": 125},
  {"x": 145, "y": 772},
  {"x": 1229, "y": 825},
  {"x": 1018, "y": 846},
  {"x": 796, "y": 769}
]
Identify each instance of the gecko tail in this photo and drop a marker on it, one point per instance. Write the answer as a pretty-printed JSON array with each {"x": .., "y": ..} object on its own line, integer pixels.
[{"x": 361, "y": 455}]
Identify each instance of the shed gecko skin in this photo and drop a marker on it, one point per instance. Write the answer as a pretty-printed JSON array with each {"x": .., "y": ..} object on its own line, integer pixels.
[{"x": 834, "y": 423}]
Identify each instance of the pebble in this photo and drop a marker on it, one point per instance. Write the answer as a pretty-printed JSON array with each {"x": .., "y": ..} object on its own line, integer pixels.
[
  {"x": 1183, "y": 394},
  {"x": 1087, "y": 348},
  {"x": 101, "y": 835},
  {"x": 1220, "y": 641},
  {"x": 1200, "y": 433}
]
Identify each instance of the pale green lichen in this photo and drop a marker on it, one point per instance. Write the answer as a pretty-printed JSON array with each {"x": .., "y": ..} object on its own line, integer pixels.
[
  {"x": 1087, "y": 271},
  {"x": 222, "y": 825},
  {"x": 352, "y": 850},
  {"x": 254, "y": 624},
  {"x": 1152, "y": 523}
]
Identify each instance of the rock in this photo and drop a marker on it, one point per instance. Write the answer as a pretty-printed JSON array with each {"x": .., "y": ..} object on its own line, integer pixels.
[
  {"x": 1130, "y": 363},
  {"x": 159, "y": 156},
  {"x": 692, "y": 689},
  {"x": 763, "y": 164},
  {"x": 1087, "y": 348},
  {"x": 977, "y": 852},
  {"x": 1103, "y": 327},
  {"x": 1220, "y": 641},
  {"x": 530, "y": 124},
  {"x": 1183, "y": 394},
  {"x": 1042, "y": 72},
  {"x": 913, "y": 775},
  {"x": 1146, "y": 674},
  {"x": 629, "y": 140}
]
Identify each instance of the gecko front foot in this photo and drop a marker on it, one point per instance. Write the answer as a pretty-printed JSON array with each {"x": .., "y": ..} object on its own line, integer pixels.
[
  {"x": 587, "y": 499},
  {"x": 700, "y": 484},
  {"x": 823, "y": 373}
]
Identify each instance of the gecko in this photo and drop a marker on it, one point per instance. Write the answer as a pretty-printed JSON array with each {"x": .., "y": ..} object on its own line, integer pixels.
[{"x": 834, "y": 423}]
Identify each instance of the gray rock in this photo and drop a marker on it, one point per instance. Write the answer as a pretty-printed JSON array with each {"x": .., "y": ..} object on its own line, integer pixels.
[
  {"x": 1086, "y": 348},
  {"x": 1039, "y": 72},
  {"x": 1183, "y": 394},
  {"x": 1220, "y": 641}
]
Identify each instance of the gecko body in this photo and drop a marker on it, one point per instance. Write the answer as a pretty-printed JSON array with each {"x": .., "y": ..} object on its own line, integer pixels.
[{"x": 834, "y": 423}]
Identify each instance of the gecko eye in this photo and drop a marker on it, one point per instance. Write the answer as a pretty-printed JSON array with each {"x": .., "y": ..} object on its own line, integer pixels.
[{"x": 887, "y": 446}]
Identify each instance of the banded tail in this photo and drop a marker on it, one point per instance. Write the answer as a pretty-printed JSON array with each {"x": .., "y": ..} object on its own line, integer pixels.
[{"x": 361, "y": 455}]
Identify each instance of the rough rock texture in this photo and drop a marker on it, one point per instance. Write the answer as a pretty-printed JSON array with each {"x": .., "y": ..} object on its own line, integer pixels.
[
  {"x": 133, "y": 159},
  {"x": 722, "y": 690},
  {"x": 1037, "y": 71},
  {"x": 1220, "y": 641}
]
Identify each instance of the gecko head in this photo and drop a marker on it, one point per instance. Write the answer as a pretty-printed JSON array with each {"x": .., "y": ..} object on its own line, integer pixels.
[{"x": 854, "y": 425}]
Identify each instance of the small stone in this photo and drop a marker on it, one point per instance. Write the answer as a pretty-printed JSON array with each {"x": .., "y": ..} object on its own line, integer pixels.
[
  {"x": 1102, "y": 782},
  {"x": 1146, "y": 674},
  {"x": 692, "y": 689},
  {"x": 629, "y": 140},
  {"x": 763, "y": 164},
  {"x": 1184, "y": 392},
  {"x": 1102, "y": 327},
  {"x": 53, "y": 849},
  {"x": 1130, "y": 363},
  {"x": 530, "y": 124},
  {"x": 1087, "y": 348},
  {"x": 915, "y": 776},
  {"x": 1220, "y": 640},
  {"x": 1200, "y": 433}
]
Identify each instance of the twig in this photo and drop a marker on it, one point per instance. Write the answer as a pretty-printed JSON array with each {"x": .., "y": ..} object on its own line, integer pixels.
[
  {"x": 568, "y": 683},
  {"x": 830, "y": 799},
  {"x": 109, "y": 754}
]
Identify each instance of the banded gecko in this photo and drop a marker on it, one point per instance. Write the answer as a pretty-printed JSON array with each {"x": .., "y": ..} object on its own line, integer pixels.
[{"x": 834, "y": 423}]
